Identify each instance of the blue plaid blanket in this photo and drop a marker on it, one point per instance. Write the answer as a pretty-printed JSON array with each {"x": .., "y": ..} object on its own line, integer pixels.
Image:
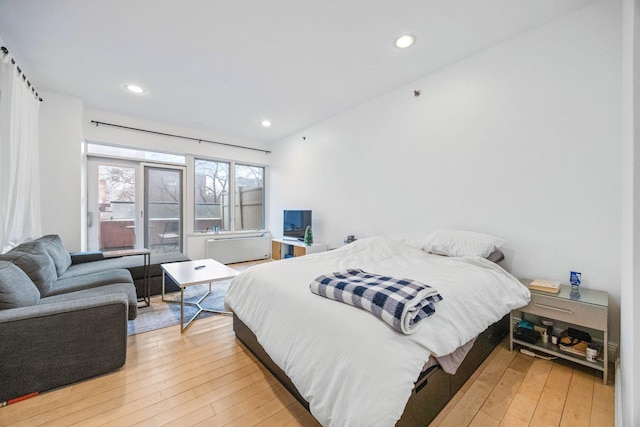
[{"x": 402, "y": 303}]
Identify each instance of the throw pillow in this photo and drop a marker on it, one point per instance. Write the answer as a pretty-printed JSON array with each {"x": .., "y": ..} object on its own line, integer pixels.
[
  {"x": 16, "y": 289},
  {"x": 56, "y": 250},
  {"x": 33, "y": 259}
]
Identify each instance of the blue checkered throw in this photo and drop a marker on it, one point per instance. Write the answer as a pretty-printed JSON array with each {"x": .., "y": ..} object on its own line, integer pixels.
[{"x": 402, "y": 303}]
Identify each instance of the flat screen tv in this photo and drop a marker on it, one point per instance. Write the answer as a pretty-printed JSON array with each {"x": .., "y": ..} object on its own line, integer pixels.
[{"x": 295, "y": 223}]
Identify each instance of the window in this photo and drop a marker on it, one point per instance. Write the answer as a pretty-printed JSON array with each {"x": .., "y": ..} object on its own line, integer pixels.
[
  {"x": 249, "y": 200},
  {"x": 214, "y": 187},
  {"x": 211, "y": 211},
  {"x": 228, "y": 195}
]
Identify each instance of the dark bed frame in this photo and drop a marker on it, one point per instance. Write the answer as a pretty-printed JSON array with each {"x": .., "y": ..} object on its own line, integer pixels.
[{"x": 433, "y": 389}]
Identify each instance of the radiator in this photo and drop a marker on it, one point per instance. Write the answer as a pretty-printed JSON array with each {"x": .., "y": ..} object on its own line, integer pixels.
[{"x": 238, "y": 249}]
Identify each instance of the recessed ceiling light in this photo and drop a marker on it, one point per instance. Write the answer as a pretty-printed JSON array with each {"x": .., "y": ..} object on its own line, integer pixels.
[
  {"x": 134, "y": 88},
  {"x": 405, "y": 41},
  {"x": 266, "y": 123}
]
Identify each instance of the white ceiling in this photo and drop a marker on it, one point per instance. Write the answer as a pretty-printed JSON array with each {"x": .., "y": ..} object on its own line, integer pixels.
[{"x": 225, "y": 66}]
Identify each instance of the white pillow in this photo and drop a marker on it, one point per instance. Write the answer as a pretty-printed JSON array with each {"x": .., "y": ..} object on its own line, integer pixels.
[{"x": 458, "y": 243}]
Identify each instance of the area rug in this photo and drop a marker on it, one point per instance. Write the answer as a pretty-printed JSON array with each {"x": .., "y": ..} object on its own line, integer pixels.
[{"x": 160, "y": 314}]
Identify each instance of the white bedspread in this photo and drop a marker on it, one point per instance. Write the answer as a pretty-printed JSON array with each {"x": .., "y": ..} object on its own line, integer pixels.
[{"x": 352, "y": 368}]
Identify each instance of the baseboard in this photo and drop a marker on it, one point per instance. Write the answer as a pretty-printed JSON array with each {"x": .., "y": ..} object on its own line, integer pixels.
[{"x": 618, "y": 393}]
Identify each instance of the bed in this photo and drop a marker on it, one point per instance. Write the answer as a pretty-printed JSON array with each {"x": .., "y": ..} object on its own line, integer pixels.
[{"x": 346, "y": 365}]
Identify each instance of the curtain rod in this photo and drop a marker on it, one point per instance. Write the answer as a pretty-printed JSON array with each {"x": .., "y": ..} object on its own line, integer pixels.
[
  {"x": 179, "y": 136},
  {"x": 24, "y": 77}
]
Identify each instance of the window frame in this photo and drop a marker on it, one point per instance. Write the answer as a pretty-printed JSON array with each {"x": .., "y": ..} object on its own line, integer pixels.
[
  {"x": 189, "y": 183},
  {"x": 263, "y": 196},
  {"x": 233, "y": 229}
]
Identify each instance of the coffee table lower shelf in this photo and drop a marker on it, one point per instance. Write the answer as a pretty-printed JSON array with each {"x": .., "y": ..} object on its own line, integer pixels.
[{"x": 189, "y": 273}]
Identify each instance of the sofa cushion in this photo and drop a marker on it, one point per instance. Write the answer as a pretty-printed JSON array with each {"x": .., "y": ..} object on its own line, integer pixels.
[
  {"x": 135, "y": 265},
  {"x": 16, "y": 289},
  {"x": 123, "y": 288},
  {"x": 91, "y": 280},
  {"x": 108, "y": 264},
  {"x": 56, "y": 250},
  {"x": 33, "y": 259}
]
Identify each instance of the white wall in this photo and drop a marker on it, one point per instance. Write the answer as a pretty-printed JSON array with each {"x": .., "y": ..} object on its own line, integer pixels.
[
  {"x": 60, "y": 173},
  {"x": 628, "y": 374},
  {"x": 164, "y": 143},
  {"x": 521, "y": 141}
]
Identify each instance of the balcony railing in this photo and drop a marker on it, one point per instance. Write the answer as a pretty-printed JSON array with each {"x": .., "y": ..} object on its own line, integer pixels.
[{"x": 117, "y": 220}]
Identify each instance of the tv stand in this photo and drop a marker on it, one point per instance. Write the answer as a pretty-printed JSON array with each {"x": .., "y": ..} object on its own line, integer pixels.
[{"x": 287, "y": 247}]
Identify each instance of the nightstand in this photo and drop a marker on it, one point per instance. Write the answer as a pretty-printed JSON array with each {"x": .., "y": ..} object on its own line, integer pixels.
[{"x": 586, "y": 309}]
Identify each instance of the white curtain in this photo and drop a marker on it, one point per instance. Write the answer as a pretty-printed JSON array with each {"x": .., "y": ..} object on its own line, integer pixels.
[{"x": 19, "y": 166}]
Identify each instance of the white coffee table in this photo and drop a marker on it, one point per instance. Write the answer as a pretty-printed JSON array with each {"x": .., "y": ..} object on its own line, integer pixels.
[{"x": 191, "y": 273}]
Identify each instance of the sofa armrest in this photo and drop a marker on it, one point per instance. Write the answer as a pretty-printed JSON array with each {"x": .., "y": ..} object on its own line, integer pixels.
[
  {"x": 82, "y": 257},
  {"x": 52, "y": 345}
]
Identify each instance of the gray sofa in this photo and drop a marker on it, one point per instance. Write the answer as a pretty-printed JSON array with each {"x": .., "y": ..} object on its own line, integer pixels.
[
  {"x": 59, "y": 323},
  {"x": 94, "y": 261}
]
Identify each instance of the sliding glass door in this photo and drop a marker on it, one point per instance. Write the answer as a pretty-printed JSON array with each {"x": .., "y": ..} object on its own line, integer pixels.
[
  {"x": 112, "y": 204},
  {"x": 163, "y": 195},
  {"x": 134, "y": 204}
]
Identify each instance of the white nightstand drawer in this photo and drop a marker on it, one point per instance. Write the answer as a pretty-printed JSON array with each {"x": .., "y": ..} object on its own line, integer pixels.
[{"x": 588, "y": 315}]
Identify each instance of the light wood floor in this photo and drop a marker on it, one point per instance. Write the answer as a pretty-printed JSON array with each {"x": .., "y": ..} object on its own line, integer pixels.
[
  {"x": 205, "y": 377},
  {"x": 511, "y": 389}
]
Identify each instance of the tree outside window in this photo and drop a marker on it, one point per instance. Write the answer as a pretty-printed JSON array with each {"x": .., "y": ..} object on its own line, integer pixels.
[{"x": 211, "y": 189}]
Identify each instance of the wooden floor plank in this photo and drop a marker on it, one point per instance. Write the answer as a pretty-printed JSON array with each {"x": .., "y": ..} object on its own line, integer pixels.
[
  {"x": 468, "y": 405},
  {"x": 273, "y": 406},
  {"x": 577, "y": 408},
  {"x": 512, "y": 421},
  {"x": 500, "y": 398},
  {"x": 235, "y": 412},
  {"x": 482, "y": 419},
  {"x": 493, "y": 372},
  {"x": 195, "y": 417},
  {"x": 603, "y": 406},
  {"x": 502, "y": 348},
  {"x": 526, "y": 399},
  {"x": 548, "y": 412},
  {"x": 280, "y": 418},
  {"x": 206, "y": 377}
]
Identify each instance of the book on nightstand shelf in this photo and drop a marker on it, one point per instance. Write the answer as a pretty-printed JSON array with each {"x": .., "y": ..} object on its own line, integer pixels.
[
  {"x": 579, "y": 349},
  {"x": 545, "y": 286}
]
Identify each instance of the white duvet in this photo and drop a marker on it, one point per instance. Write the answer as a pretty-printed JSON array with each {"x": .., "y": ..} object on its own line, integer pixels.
[{"x": 352, "y": 368}]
